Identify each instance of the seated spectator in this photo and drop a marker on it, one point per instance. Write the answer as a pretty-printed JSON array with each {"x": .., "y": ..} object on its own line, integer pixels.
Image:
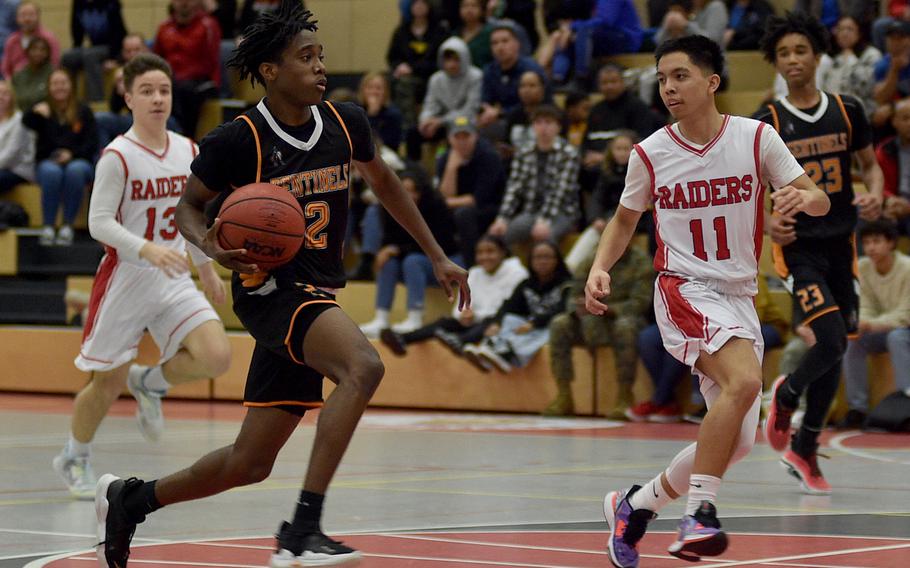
[
  {"x": 475, "y": 32},
  {"x": 523, "y": 13},
  {"x": 578, "y": 109},
  {"x": 472, "y": 180},
  {"x": 894, "y": 158},
  {"x": 613, "y": 27},
  {"x": 896, "y": 11},
  {"x": 694, "y": 17},
  {"x": 541, "y": 200},
  {"x": 499, "y": 94},
  {"x": 385, "y": 118},
  {"x": 17, "y": 143},
  {"x": 190, "y": 41},
  {"x": 852, "y": 72},
  {"x": 30, "y": 82},
  {"x": 632, "y": 296},
  {"x": 605, "y": 197},
  {"x": 532, "y": 92},
  {"x": 102, "y": 22},
  {"x": 453, "y": 91},
  {"x": 884, "y": 317},
  {"x": 7, "y": 21},
  {"x": 412, "y": 57},
  {"x": 225, "y": 13},
  {"x": 520, "y": 327},
  {"x": 28, "y": 20},
  {"x": 892, "y": 73},
  {"x": 492, "y": 281},
  {"x": 830, "y": 11},
  {"x": 401, "y": 260},
  {"x": 67, "y": 141},
  {"x": 746, "y": 24}
]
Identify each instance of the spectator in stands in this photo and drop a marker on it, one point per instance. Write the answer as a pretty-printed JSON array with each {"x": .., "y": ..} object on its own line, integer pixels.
[
  {"x": 830, "y": 11},
  {"x": 605, "y": 197},
  {"x": 541, "y": 200},
  {"x": 472, "y": 180},
  {"x": 30, "y": 82},
  {"x": 854, "y": 64},
  {"x": 102, "y": 22},
  {"x": 532, "y": 92},
  {"x": 7, "y": 21},
  {"x": 385, "y": 118},
  {"x": 694, "y": 17},
  {"x": 897, "y": 11},
  {"x": 892, "y": 72},
  {"x": 746, "y": 24},
  {"x": 522, "y": 12},
  {"x": 894, "y": 158},
  {"x": 401, "y": 260},
  {"x": 453, "y": 91},
  {"x": 412, "y": 57},
  {"x": 190, "y": 41},
  {"x": 225, "y": 13},
  {"x": 499, "y": 95},
  {"x": 521, "y": 325},
  {"x": 17, "y": 143},
  {"x": 492, "y": 281},
  {"x": 475, "y": 32},
  {"x": 631, "y": 299},
  {"x": 66, "y": 145},
  {"x": 578, "y": 109},
  {"x": 612, "y": 27},
  {"x": 28, "y": 20},
  {"x": 884, "y": 317}
]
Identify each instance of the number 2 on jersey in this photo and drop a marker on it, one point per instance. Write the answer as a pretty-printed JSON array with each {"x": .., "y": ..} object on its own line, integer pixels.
[
  {"x": 317, "y": 218},
  {"x": 698, "y": 239},
  {"x": 169, "y": 232}
]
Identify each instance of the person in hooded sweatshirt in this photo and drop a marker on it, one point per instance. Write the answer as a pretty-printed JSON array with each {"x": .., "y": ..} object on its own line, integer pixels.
[{"x": 452, "y": 91}]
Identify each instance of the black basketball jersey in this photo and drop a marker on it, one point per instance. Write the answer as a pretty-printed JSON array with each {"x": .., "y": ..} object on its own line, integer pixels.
[
  {"x": 312, "y": 161},
  {"x": 823, "y": 139}
]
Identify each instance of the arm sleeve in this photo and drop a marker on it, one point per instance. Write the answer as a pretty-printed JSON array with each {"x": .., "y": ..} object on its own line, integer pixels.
[
  {"x": 233, "y": 139},
  {"x": 779, "y": 167},
  {"x": 358, "y": 125},
  {"x": 637, "y": 193},
  {"x": 107, "y": 192}
]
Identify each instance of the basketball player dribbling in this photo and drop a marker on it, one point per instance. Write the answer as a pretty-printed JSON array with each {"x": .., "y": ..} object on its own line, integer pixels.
[
  {"x": 705, "y": 177},
  {"x": 143, "y": 281},
  {"x": 815, "y": 257},
  {"x": 304, "y": 145}
]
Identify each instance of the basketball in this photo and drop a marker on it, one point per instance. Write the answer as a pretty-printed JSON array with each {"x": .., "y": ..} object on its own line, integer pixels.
[{"x": 264, "y": 219}]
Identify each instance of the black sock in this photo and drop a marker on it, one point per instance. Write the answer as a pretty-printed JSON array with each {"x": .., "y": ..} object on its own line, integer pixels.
[
  {"x": 308, "y": 512},
  {"x": 788, "y": 397},
  {"x": 141, "y": 501},
  {"x": 805, "y": 441}
]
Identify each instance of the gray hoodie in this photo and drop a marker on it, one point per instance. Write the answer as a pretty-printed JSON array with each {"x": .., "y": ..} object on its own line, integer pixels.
[{"x": 448, "y": 97}]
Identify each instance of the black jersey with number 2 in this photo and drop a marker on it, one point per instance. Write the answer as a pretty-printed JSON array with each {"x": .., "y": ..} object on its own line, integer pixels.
[
  {"x": 823, "y": 139},
  {"x": 312, "y": 161}
]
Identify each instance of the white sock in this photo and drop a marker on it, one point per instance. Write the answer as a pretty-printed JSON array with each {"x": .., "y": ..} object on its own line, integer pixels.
[
  {"x": 154, "y": 380},
  {"x": 701, "y": 488},
  {"x": 382, "y": 317},
  {"x": 415, "y": 317},
  {"x": 74, "y": 448},
  {"x": 652, "y": 496}
]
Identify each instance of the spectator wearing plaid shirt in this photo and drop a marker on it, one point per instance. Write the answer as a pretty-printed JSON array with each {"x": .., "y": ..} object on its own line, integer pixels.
[{"x": 541, "y": 201}]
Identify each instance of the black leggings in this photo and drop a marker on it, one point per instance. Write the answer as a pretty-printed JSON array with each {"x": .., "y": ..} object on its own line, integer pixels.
[
  {"x": 818, "y": 375},
  {"x": 470, "y": 334}
]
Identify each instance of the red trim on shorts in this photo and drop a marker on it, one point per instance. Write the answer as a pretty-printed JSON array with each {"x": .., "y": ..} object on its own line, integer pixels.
[
  {"x": 758, "y": 237},
  {"x": 193, "y": 150},
  {"x": 161, "y": 156},
  {"x": 684, "y": 315},
  {"x": 179, "y": 325},
  {"x": 704, "y": 149},
  {"x": 87, "y": 358},
  {"x": 104, "y": 276},
  {"x": 660, "y": 256},
  {"x": 126, "y": 177}
]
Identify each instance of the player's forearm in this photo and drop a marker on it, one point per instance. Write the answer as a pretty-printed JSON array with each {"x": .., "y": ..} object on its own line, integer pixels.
[
  {"x": 615, "y": 238},
  {"x": 817, "y": 202},
  {"x": 874, "y": 180},
  {"x": 191, "y": 222}
]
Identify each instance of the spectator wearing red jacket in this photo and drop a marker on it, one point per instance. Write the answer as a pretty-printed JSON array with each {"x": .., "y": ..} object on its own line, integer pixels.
[
  {"x": 28, "y": 20},
  {"x": 190, "y": 40},
  {"x": 894, "y": 156}
]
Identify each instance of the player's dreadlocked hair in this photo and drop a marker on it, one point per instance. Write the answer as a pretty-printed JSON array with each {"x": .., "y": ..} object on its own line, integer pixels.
[
  {"x": 265, "y": 39},
  {"x": 794, "y": 23}
]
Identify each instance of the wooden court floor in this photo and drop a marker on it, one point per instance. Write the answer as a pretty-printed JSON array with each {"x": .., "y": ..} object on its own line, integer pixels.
[{"x": 423, "y": 489}]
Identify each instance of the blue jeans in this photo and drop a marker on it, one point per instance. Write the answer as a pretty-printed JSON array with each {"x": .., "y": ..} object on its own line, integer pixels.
[
  {"x": 665, "y": 370},
  {"x": 591, "y": 40},
  {"x": 856, "y": 374},
  {"x": 62, "y": 183},
  {"x": 415, "y": 270},
  {"x": 524, "y": 345},
  {"x": 371, "y": 229}
]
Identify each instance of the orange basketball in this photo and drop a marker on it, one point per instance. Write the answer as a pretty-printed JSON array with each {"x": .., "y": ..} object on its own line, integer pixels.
[{"x": 264, "y": 219}]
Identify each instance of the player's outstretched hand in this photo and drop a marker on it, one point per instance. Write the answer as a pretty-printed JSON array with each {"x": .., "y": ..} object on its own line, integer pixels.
[
  {"x": 172, "y": 262},
  {"x": 789, "y": 201},
  {"x": 870, "y": 206},
  {"x": 226, "y": 258},
  {"x": 597, "y": 288},
  {"x": 450, "y": 276}
]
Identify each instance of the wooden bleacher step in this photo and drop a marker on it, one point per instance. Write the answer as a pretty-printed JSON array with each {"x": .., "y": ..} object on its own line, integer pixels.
[
  {"x": 31, "y": 301},
  {"x": 81, "y": 257}
]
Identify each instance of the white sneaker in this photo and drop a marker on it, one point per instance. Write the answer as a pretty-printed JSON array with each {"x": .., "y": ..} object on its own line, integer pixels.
[
  {"x": 406, "y": 326},
  {"x": 77, "y": 474},
  {"x": 372, "y": 329},
  {"x": 149, "y": 414},
  {"x": 64, "y": 236},
  {"x": 46, "y": 238},
  {"x": 488, "y": 353}
]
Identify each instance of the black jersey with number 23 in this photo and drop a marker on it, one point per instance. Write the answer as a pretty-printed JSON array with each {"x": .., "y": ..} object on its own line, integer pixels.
[{"x": 312, "y": 161}]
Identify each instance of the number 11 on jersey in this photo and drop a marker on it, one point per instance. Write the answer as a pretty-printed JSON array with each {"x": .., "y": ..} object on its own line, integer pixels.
[{"x": 698, "y": 239}]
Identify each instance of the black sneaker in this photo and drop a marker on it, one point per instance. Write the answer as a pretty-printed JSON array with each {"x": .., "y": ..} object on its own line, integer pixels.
[
  {"x": 394, "y": 341},
  {"x": 296, "y": 549},
  {"x": 115, "y": 528},
  {"x": 451, "y": 341}
]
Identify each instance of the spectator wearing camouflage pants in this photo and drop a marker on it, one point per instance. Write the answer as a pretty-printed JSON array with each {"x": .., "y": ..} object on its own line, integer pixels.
[{"x": 633, "y": 280}]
